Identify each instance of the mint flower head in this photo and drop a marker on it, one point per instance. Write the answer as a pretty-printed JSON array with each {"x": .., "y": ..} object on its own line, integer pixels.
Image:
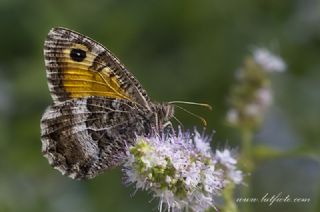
[
  {"x": 251, "y": 96},
  {"x": 181, "y": 170}
]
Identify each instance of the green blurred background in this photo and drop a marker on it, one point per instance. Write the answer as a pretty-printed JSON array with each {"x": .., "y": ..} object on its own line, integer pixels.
[{"x": 179, "y": 50}]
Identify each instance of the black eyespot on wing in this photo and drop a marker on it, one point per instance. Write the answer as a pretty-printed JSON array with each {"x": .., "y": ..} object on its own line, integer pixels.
[{"x": 77, "y": 55}]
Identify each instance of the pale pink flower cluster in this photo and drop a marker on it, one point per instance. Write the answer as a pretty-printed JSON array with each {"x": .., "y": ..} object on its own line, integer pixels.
[
  {"x": 252, "y": 95},
  {"x": 181, "y": 170},
  {"x": 268, "y": 60}
]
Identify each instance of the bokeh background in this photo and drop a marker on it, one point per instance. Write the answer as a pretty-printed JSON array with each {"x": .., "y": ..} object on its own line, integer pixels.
[{"x": 179, "y": 50}]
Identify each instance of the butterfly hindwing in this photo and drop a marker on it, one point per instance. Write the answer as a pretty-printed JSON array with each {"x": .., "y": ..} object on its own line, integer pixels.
[
  {"x": 82, "y": 137},
  {"x": 78, "y": 66}
]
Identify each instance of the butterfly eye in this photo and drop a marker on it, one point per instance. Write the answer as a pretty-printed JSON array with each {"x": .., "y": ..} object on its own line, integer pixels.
[{"x": 77, "y": 55}]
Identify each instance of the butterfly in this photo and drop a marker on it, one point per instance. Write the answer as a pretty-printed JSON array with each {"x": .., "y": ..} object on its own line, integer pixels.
[{"x": 98, "y": 106}]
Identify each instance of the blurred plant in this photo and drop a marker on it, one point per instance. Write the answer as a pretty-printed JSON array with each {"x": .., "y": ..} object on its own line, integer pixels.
[
  {"x": 252, "y": 95},
  {"x": 249, "y": 100},
  {"x": 181, "y": 170}
]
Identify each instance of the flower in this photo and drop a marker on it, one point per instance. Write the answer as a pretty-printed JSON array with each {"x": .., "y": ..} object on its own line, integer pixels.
[
  {"x": 268, "y": 61},
  {"x": 228, "y": 162},
  {"x": 180, "y": 169},
  {"x": 251, "y": 96},
  {"x": 264, "y": 96},
  {"x": 232, "y": 116}
]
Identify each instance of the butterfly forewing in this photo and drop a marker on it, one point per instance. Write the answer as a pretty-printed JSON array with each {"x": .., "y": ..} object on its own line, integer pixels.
[{"x": 78, "y": 66}]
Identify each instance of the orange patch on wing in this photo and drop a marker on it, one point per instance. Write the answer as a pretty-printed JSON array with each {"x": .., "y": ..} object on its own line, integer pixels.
[{"x": 79, "y": 81}]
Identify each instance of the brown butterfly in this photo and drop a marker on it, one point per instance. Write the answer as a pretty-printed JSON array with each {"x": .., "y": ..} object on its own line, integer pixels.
[{"x": 98, "y": 106}]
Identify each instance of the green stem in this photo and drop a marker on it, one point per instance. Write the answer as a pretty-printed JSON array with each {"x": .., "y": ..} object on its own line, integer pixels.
[
  {"x": 248, "y": 164},
  {"x": 246, "y": 136},
  {"x": 228, "y": 195},
  {"x": 247, "y": 160}
]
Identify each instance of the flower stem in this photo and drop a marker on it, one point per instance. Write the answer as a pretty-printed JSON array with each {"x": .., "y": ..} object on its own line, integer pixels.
[
  {"x": 247, "y": 161},
  {"x": 246, "y": 136},
  {"x": 230, "y": 205}
]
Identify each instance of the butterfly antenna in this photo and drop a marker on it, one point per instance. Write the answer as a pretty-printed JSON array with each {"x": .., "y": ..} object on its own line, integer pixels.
[
  {"x": 193, "y": 114},
  {"x": 175, "y": 118},
  {"x": 192, "y": 103}
]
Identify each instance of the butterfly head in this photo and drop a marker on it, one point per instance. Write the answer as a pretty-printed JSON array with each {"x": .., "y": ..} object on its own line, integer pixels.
[{"x": 163, "y": 111}]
